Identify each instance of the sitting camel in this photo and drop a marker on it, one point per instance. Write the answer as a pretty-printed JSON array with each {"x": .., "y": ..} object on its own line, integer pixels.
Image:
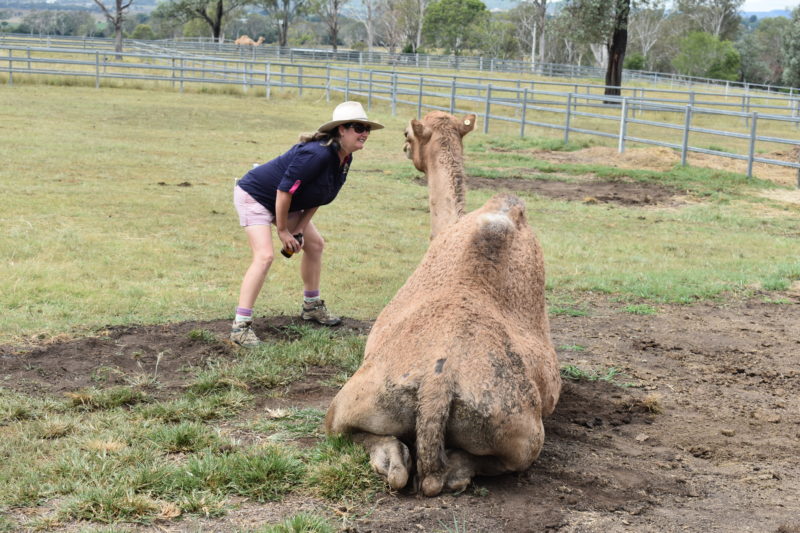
[
  {"x": 459, "y": 367},
  {"x": 245, "y": 39}
]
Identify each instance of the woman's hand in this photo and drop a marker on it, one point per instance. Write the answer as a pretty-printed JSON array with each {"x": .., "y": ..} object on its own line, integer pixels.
[{"x": 290, "y": 244}]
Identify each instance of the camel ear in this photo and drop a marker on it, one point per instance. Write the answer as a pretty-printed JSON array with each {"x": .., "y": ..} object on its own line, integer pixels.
[
  {"x": 419, "y": 129},
  {"x": 467, "y": 124}
]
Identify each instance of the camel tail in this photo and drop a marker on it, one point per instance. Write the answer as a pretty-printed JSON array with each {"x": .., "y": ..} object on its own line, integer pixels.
[{"x": 434, "y": 399}]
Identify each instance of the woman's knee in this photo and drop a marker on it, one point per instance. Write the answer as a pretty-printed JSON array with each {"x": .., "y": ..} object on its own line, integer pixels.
[
  {"x": 314, "y": 245},
  {"x": 263, "y": 259}
]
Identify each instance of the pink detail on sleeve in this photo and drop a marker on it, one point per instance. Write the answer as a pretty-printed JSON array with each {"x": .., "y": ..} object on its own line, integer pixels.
[{"x": 294, "y": 187}]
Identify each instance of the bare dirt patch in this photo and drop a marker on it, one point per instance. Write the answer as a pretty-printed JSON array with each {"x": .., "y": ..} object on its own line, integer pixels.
[
  {"x": 663, "y": 159},
  {"x": 587, "y": 190},
  {"x": 706, "y": 439}
]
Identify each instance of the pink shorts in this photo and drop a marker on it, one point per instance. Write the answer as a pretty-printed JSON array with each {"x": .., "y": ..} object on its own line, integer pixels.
[{"x": 252, "y": 213}]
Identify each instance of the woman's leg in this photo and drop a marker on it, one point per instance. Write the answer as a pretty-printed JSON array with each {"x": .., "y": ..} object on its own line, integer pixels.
[
  {"x": 311, "y": 271},
  {"x": 311, "y": 262},
  {"x": 260, "y": 240}
]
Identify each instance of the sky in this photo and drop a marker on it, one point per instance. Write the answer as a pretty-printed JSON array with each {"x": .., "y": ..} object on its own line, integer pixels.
[{"x": 769, "y": 5}]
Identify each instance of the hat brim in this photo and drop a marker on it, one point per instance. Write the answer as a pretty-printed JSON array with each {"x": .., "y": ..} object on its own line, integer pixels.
[{"x": 334, "y": 123}]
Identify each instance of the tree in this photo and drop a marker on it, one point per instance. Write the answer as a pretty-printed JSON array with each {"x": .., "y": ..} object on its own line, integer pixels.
[
  {"x": 496, "y": 37},
  {"x": 645, "y": 28},
  {"x": 330, "y": 11},
  {"x": 115, "y": 19},
  {"x": 143, "y": 32},
  {"x": 283, "y": 13},
  {"x": 704, "y": 55},
  {"x": 605, "y": 22},
  {"x": 449, "y": 23},
  {"x": 531, "y": 16},
  {"x": 762, "y": 51},
  {"x": 720, "y": 18},
  {"x": 791, "y": 52},
  {"x": 212, "y": 12}
]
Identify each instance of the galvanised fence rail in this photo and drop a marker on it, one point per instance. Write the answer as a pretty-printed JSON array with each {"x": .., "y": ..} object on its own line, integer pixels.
[
  {"x": 735, "y": 126},
  {"x": 206, "y": 46}
]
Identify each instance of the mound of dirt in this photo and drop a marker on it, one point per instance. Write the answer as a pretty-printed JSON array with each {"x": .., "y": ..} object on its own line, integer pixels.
[{"x": 700, "y": 432}]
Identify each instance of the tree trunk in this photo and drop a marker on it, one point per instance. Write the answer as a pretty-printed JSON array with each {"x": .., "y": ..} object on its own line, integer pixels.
[
  {"x": 616, "y": 50},
  {"x": 216, "y": 28}
]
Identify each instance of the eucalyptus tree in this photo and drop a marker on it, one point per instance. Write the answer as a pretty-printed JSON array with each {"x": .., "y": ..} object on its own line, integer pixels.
[
  {"x": 212, "y": 12},
  {"x": 531, "y": 16},
  {"x": 605, "y": 22},
  {"x": 720, "y": 18},
  {"x": 330, "y": 11},
  {"x": 762, "y": 51},
  {"x": 115, "y": 17},
  {"x": 449, "y": 23},
  {"x": 791, "y": 51},
  {"x": 646, "y": 28},
  {"x": 283, "y": 13}
]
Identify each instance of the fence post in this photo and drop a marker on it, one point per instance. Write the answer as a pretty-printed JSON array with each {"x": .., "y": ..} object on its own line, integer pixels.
[
  {"x": 623, "y": 125},
  {"x": 394, "y": 94},
  {"x": 327, "y": 83},
  {"x": 97, "y": 70},
  {"x": 300, "y": 82},
  {"x": 453, "y": 97},
  {"x": 347, "y": 85},
  {"x": 568, "y": 117},
  {"x": 183, "y": 73},
  {"x": 269, "y": 81},
  {"x": 752, "y": 149},
  {"x": 10, "y": 67},
  {"x": 419, "y": 99},
  {"x": 488, "y": 108},
  {"x": 687, "y": 121},
  {"x": 369, "y": 93},
  {"x": 524, "y": 112}
]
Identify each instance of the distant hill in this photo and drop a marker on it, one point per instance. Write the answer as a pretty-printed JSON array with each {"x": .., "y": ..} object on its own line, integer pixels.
[{"x": 767, "y": 14}]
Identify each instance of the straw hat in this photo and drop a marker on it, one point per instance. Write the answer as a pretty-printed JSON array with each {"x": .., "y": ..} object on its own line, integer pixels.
[{"x": 349, "y": 112}]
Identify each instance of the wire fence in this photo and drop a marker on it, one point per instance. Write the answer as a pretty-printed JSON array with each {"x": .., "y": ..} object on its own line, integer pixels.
[{"x": 738, "y": 126}]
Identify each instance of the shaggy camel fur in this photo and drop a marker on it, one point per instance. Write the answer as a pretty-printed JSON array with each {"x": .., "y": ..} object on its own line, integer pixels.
[
  {"x": 434, "y": 146},
  {"x": 245, "y": 39},
  {"x": 459, "y": 367}
]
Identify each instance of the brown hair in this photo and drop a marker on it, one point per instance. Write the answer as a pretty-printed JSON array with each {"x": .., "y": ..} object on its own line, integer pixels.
[{"x": 325, "y": 138}]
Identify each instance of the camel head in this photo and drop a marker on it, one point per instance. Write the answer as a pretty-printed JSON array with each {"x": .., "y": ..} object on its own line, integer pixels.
[
  {"x": 436, "y": 132},
  {"x": 259, "y": 41}
]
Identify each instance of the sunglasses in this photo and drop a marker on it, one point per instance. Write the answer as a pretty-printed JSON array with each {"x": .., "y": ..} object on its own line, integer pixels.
[{"x": 358, "y": 127}]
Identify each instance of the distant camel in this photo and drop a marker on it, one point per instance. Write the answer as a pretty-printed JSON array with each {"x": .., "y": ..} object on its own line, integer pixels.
[{"x": 245, "y": 39}]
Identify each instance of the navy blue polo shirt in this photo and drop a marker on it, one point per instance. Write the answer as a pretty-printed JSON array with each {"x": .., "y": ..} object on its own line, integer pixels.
[{"x": 310, "y": 172}]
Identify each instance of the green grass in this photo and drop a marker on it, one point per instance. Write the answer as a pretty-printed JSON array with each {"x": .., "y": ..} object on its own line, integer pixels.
[
  {"x": 101, "y": 228},
  {"x": 107, "y": 459}
]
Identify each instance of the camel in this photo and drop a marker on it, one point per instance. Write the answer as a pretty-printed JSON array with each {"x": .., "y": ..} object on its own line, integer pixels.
[
  {"x": 459, "y": 368},
  {"x": 245, "y": 39},
  {"x": 435, "y": 148}
]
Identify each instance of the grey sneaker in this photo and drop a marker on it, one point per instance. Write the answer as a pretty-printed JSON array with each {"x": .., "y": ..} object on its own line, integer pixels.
[
  {"x": 317, "y": 311},
  {"x": 242, "y": 334}
]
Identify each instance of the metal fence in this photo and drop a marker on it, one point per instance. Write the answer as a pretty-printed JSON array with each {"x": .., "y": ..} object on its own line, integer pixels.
[
  {"x": 208, "y": 47},
  {"x": 734, "y": 126}
]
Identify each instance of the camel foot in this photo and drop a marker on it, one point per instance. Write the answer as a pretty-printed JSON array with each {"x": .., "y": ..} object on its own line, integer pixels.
[
  {"x": 389, "y": 457},
  {"x": 456, "y": 478}
]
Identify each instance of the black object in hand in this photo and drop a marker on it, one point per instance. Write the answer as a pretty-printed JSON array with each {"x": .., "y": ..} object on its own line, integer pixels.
[{"x": 287, "y": 253}]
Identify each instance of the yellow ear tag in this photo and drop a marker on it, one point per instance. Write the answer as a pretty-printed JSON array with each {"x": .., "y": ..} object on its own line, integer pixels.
[{"x": 466, "y": 122}]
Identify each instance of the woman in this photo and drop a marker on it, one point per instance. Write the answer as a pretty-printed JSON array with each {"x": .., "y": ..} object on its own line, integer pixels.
[{"x": 286, "y": 192}]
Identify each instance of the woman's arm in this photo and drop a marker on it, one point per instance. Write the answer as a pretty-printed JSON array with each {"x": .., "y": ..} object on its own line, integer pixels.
[
  {"x": 305, "y": 219},
  {"x": 282, "y": 202}
]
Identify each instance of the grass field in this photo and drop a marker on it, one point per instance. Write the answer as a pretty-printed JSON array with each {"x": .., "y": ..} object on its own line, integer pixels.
[{"x": 117, "y": 209}]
